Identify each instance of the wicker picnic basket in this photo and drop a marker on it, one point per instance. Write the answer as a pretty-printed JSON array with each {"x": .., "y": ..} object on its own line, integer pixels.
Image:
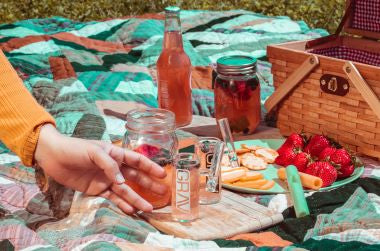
[{"x": 331, "y": 85}]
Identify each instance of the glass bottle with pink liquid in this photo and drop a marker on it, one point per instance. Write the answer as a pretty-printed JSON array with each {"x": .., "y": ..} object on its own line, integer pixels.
[{"x": 174, "y": 71}]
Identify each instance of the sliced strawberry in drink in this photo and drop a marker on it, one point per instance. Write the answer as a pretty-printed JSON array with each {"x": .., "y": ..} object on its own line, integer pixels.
[
  {"x": 247, "y": 94},
  {"x": 253, "y": 83},
  {"x": 240, "y": 86},
  {"x": 147, "y": 150}
]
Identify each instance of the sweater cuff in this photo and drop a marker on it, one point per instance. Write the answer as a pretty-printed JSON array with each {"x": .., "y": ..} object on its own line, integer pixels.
[{"x": 27, "y": 156}]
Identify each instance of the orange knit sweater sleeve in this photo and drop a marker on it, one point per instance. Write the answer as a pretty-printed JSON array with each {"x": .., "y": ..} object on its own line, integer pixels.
[{"x": 21, "y": 117}]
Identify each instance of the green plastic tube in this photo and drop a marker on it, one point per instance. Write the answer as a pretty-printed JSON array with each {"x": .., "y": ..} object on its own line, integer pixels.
[{"x": 296, "y": 192}]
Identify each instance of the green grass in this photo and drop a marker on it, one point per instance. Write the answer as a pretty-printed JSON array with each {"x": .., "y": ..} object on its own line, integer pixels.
[{"x": 317, "y": 13}]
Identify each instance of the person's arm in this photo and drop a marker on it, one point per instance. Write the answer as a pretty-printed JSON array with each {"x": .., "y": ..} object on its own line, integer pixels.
[
  {"x": 93, "y": 167},
  {"x": 21, "y": 117}
]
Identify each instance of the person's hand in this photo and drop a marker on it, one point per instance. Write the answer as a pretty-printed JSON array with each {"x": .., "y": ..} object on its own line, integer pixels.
[{"x": 98, "y": 168}]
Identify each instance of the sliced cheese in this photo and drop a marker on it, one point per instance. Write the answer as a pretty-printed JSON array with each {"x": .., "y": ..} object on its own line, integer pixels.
[
  {"x": 252, "y": 176},
  {"x": 268, "y": 185},
  {"x": 255, "y": 184},
  {"x": 229, "y": 169},
  {"x": 307, "y": 180},
  {"x": 228, "y": 177}
]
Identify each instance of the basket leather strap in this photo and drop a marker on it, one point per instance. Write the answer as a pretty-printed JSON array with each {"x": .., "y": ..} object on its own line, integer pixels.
[
  {"x": 361, "y": 85},
  {"x": 291, "y": 82}
]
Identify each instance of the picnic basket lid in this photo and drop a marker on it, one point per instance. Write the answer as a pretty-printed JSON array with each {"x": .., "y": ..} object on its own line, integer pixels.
[{"x": 363, "y": 18}]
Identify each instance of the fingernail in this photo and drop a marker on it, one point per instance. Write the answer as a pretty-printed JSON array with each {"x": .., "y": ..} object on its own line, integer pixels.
[
  {"x": 148, "y": 208},
  {"x": 124, "y": 186},
  {"x": 119, "y": 178},
  {"x": 163, "y": 171}
]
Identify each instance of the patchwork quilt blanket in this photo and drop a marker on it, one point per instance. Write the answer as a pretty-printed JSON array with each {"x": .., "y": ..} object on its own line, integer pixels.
[{"x": 78, "y": 69}]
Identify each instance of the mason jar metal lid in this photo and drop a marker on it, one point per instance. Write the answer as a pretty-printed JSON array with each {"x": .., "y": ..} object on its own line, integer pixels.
[
  {"x": 236, "y": 65},
  {"x": 172, "y": 9}
]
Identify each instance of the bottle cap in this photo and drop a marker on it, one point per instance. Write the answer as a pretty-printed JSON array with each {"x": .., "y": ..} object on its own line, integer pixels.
[
  {"x": 172, "y": 9},
  {"x": 236, "y": 65}
]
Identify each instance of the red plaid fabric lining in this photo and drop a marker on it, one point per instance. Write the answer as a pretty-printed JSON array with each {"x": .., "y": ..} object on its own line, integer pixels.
[
  {"x": 346, "y": 53},
  {"x": 367, "y": 15}
]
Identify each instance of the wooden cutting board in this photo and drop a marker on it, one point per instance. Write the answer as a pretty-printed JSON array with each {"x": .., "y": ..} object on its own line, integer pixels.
[{"x": 233, "y": 215}]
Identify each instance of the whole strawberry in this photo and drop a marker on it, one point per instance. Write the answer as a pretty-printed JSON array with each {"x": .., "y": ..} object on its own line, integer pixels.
[
  {"x": 346, "y": 171},
  {"x": 326, "y": 153},
  {"x": 288, "y": 150},
  {"x": 323, "y": 170},
  {"x": 316, "y": 145},
  {"x": 341, "y": 157},
  {"x": 295, "y": 140},
  {"x": 286, "y": 155},
  {"x": 301, "y": 160}
]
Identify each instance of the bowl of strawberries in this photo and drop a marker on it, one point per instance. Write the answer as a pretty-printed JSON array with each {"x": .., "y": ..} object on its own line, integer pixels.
[{"x": 319, "y": 156}]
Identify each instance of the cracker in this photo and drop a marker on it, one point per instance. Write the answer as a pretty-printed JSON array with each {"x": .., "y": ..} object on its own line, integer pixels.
[
  {"x": 269, "y": 155},
  {"x": 242, "y": 151},
  {"x": 252, "y": 148},
  {"x": 251, "y": 161}
]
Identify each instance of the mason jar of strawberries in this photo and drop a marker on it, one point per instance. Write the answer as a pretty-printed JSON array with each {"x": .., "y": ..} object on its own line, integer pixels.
[{"x": 237, "y": 93}]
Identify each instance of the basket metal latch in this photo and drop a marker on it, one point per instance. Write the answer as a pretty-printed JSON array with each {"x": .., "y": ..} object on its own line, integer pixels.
[{"x": 334, "y": 85}]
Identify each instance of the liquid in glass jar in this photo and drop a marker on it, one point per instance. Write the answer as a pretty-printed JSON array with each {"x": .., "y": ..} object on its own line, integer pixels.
[
  {"x": 237, "y": 93},
  {"x": 163, "y": 158},
  {"x": 151, "y": 132}
]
